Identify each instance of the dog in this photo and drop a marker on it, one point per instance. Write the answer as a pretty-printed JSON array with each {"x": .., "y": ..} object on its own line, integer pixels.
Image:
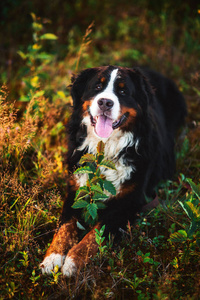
[{"x": 136, "y": 113}]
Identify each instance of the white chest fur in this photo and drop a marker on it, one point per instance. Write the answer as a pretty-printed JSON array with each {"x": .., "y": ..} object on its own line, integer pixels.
[{"x": 113, "y": 146}]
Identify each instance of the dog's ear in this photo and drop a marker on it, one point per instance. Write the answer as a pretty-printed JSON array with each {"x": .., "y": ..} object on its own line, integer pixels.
[
  {"x": 79, "y": 83},
  {"x": 143, "y": 87}
]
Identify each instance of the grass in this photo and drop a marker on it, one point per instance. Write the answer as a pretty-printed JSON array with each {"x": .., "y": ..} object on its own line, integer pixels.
[{"x": 158, "y": 257}]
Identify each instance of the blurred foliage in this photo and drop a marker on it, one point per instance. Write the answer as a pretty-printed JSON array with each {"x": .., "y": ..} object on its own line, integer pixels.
[
  {"x": 42, "y": 44},
  {"x": 115, "y": 21}
]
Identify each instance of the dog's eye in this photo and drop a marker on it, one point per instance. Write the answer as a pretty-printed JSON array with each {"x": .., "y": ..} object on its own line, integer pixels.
[
  {"x": 99, "y": 87},
  {"x": 122, "y": 92}
]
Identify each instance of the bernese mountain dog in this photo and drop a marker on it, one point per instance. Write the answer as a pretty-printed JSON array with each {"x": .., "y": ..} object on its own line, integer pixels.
[{"x": 136, "y": 113}]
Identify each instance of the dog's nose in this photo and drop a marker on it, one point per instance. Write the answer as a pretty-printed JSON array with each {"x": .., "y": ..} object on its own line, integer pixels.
[{"x": 105, "y": 104}]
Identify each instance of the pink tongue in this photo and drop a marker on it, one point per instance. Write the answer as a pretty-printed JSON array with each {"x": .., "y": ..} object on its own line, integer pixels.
[{"x": 103, "y": 126}]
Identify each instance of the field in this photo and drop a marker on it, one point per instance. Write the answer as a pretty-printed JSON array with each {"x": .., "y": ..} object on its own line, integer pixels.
[{"x": 43, "y": 44}]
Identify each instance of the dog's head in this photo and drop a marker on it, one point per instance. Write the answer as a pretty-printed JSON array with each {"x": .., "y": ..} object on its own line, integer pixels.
[{"x": 110, "y": 98}]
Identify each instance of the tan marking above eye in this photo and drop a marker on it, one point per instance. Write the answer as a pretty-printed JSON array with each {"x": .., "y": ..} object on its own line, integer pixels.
[
  {"x": 103, "y": 79},
  {"x": 121, "y": 85}
]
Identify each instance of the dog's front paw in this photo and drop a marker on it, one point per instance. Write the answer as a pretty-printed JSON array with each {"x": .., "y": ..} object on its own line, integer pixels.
[
  {"x": 48, "y": 264},
  {"x": 69, "y": 268}
]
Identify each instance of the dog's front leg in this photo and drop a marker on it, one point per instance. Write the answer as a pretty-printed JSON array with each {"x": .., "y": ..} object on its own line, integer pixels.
[
  {"x": 79, "y": 255},
  {"x": 64, "y": 239}
]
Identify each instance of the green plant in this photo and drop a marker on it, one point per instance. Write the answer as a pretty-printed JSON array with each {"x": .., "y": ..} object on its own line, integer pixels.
[
  {"x": 184, "y": 149},
  {"x": 36, "y": 58},
  {"x": 56, "y": 275},
  {"x": 189, "y": 237},
  {"x": 100, "y": 241},
  {"x": 135, "y": 284},
  {"x": 24, "y": 261},
  {"x": 34, "y": 278},
  {"x": 145, "y": 258},
  {"x": 90, "y": 197},
  {"x": 11, "y": 289}
]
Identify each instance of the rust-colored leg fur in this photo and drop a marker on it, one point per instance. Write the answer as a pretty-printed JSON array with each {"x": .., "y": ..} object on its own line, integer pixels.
[
  {"x": 79, "y": 255},
  {"x": 63, "y": 240},
  {"x": 66, "y": 240}
]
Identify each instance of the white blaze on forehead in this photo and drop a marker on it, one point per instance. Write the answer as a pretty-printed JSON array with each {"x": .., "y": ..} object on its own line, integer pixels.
[
  {"x": 108, "y": 93},
  {"x": 110, "y": 85}
]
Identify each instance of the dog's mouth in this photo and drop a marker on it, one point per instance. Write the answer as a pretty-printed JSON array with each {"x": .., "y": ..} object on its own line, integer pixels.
[{"x": 104, "y": 125}]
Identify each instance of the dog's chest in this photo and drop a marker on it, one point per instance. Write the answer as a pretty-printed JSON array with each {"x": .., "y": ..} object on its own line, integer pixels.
[{"x": 113, "y": 147}]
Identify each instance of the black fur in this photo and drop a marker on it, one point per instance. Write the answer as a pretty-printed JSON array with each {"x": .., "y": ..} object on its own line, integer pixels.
[{"x": 160, "y": 111}]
